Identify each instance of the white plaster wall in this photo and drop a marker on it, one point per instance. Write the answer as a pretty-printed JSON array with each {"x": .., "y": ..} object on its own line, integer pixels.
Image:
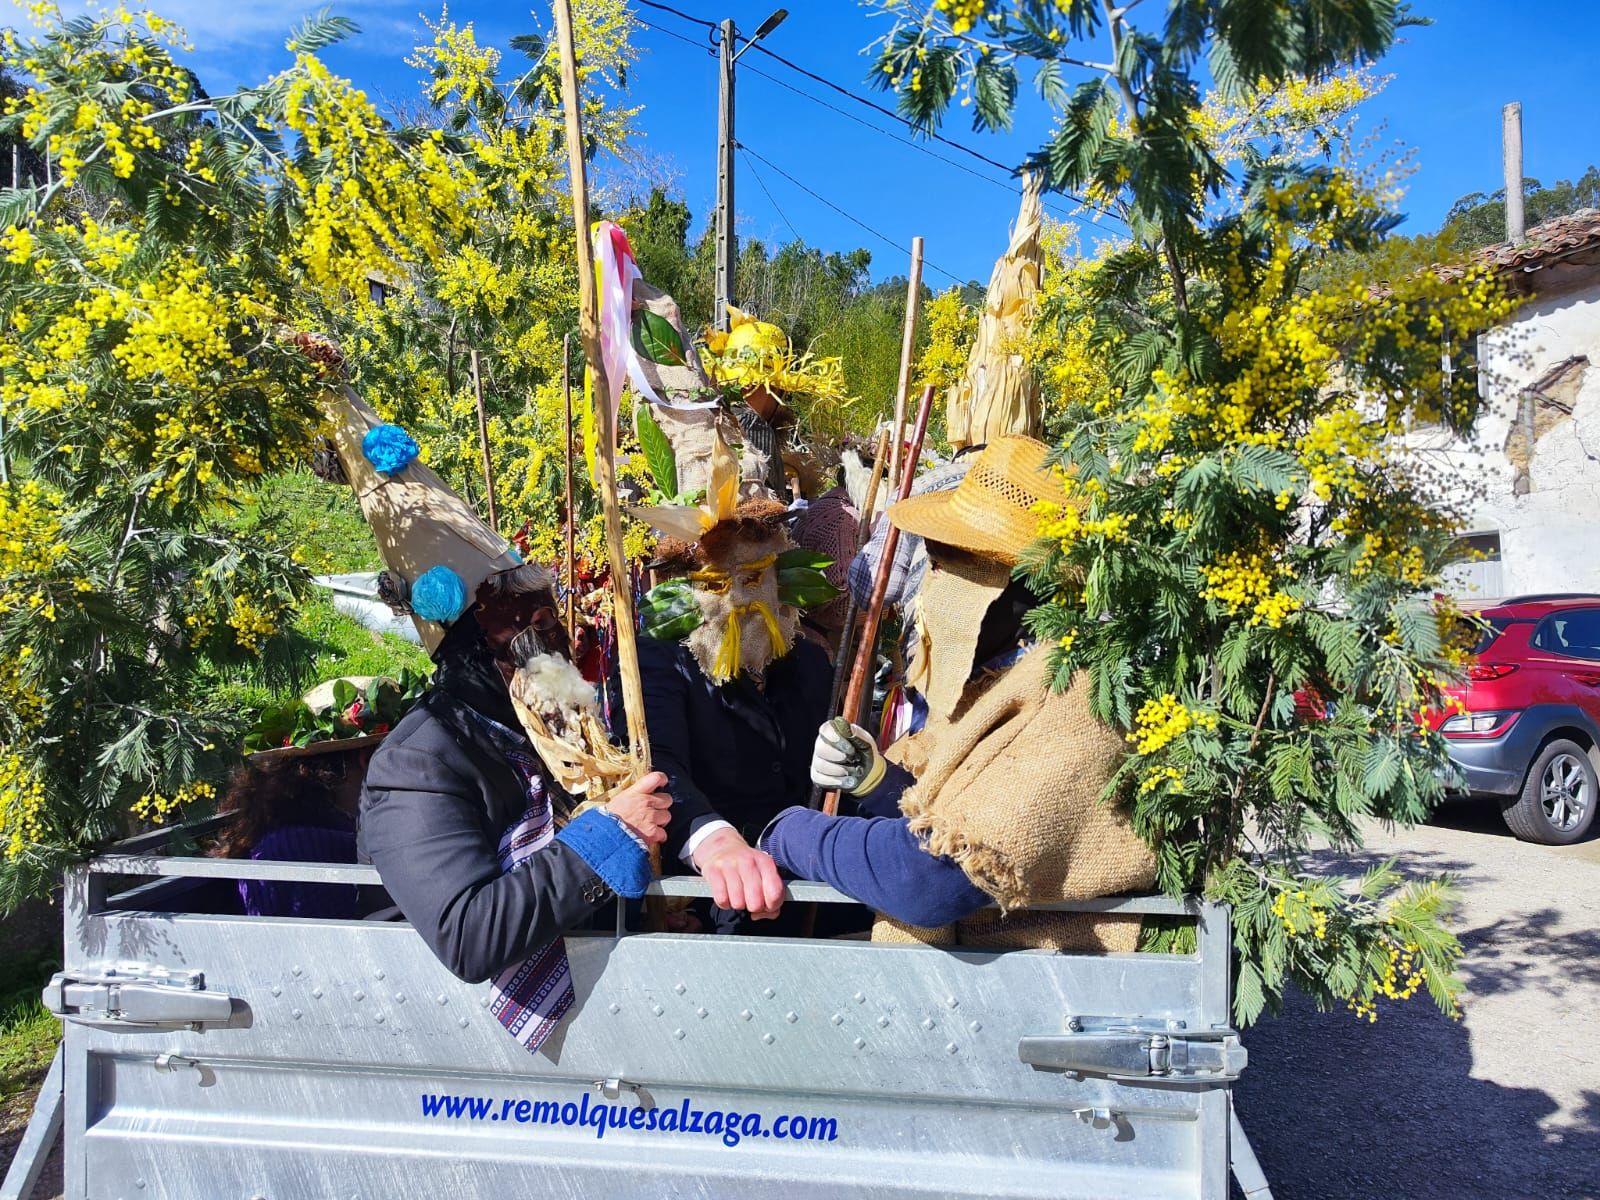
[{"x": 1549, "y": 537}]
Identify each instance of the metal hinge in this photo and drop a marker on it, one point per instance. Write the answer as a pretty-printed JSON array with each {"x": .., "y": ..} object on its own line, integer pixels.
[
  {"x": 134, "y": 994},
  {"x": 1136, "y": 1048}
]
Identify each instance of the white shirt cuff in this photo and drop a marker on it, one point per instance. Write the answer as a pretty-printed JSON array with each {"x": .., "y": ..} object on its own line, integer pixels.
[{"x": 698, "y": 836}]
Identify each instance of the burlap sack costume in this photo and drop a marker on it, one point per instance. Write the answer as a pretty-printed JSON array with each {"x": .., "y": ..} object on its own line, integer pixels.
[{"x": 1009, "y": 773}]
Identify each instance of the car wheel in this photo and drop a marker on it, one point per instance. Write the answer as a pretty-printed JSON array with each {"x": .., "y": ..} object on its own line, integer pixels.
[{"x": 1557, "y": 802}]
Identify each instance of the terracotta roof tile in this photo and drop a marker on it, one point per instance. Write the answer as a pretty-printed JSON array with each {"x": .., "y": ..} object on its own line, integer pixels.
[{"x": 1559, "y": 238}]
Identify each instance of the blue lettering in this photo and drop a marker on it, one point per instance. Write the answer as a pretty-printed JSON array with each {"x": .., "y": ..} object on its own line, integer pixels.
[
  {"x": 636, "y": 1118},
  {"x": 524, "y": 1110},
  {"x": 713, "y": 1122},
  {"x": 752, "y": 1125},
  {"x": 617, "y": 1117},
  {"x": 569, "y": 1114},
  {"x": 669, "y": 1121},
  {"x": 780, "y": 1127},
  {"x": 821, "y": 1125},
  {"x": 545, "y": 1112},
  {"x": 430, "y": 1104},
  {"x": 597, "y": 1119},
  {"x": 652, "y": 1118}
]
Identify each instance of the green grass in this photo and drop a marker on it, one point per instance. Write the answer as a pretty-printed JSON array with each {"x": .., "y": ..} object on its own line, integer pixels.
[
  {"x": 28, "y": 1033},
  {"x": 323, "y": 519}
]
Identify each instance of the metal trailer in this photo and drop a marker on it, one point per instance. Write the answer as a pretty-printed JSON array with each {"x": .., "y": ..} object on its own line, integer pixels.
[{"x": 213, "y": 1057}]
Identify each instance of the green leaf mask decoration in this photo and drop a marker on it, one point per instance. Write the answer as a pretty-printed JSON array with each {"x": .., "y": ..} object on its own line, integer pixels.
[
  {"x": 656, "y": 339},
  {"x": 800, "y": 578},
  {"x": 658, "y": 455},
  {"x": 669, "y": 612}
]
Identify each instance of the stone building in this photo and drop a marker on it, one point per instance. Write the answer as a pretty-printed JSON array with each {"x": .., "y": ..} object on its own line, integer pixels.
[{"x": 1533, "y": 470}]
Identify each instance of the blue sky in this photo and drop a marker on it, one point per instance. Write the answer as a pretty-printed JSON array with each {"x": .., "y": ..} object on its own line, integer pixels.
[{"x": 1443, "y": 103}]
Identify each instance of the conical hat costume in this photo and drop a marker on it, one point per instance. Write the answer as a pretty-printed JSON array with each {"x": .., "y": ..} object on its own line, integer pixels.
[{"x": 437, "y": 550}]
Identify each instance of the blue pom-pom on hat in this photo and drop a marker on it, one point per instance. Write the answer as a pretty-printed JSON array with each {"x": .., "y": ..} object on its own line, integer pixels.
[
  {"x": 389, "y": 448},
  {"x": 439, "y": 594}
]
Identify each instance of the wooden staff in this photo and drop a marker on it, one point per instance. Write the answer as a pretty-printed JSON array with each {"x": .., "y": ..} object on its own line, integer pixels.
[
  {"x": 572, "y": 571},
  {"x": 908, "y": 341},
  {"x": 605, "y": 418},
  {"x": 483, "y": 444},
  {"x": 863, "y": 530},
  {"x": 861, "y": 674}
]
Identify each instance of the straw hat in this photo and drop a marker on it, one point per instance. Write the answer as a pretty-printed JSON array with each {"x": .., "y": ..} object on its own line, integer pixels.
[
  {"x": 436, "y": 548},
  {"x": 990, "y": 512}
]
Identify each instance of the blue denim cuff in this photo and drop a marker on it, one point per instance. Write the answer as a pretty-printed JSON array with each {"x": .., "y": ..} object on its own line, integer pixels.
[{"x": 601, "y": 841}]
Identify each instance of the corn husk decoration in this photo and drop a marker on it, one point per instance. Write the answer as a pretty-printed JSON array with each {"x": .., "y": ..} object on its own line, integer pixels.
[
  {"x": 560, "y": 714},
  {"x": 999, "y": 393}
]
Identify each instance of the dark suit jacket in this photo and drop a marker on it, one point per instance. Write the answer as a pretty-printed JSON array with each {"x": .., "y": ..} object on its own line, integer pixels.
[
  {"x": 737, "y": 752},
  {"x": 437, "y": 798}
]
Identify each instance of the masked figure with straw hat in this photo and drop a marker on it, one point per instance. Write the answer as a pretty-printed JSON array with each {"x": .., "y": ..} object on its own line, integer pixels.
[
  {"x": 997, "y": 802},
  {"x": 471, "y": 806},
  {"x": 731, "y": 695}
]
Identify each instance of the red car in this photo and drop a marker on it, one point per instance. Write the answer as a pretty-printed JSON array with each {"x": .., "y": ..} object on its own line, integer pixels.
[{"x": 1530, "y": 732}]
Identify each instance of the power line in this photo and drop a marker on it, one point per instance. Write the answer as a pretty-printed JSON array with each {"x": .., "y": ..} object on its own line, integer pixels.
[
  {"x": 853, "y": 219},
  {"x": 667, "y": 8},
  {"x": 672, "y": 33},
  {"x": 756, "y": 175},
  {"x": 920, "y": 147}
]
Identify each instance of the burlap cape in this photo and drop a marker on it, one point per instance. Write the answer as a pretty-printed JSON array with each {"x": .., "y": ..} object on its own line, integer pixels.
[{"x": 1010, "y": 788}]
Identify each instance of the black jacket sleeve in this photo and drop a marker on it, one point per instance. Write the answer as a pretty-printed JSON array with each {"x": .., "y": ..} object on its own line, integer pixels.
[
  {"x": 669, "y": 697},
  {"x": 423, "y": 827}
]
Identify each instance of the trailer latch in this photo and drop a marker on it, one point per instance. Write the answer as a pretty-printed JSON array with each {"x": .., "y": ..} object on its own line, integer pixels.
[
  {"x": 136, "y": 995},
  {"x": 1123, "y": 1048}
]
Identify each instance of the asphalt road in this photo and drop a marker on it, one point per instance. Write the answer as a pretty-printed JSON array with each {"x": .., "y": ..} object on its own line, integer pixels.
[{"x": 1504, "y": 1104}]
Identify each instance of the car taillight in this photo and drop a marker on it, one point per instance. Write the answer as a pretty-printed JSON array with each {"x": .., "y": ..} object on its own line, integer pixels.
[
  {"x": 1483, "y": 672},
  {"x": 1478, "y": 724}
]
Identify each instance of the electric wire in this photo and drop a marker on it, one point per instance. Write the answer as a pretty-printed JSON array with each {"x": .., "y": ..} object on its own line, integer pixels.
[
  {"x": 852, "y": 218},
  {"x": 762, "y": 183},
  {"x": 672, "y": 33},
  {"x": 667, "y": 8}
]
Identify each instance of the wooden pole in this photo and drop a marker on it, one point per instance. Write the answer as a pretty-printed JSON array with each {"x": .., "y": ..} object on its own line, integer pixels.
[
  {"x": 908, "y": 342},
  {"x": 571, "y": 562},
  {"x": 483, "y": 443},
  {"x": 1511, "y": 155},
  {"x": 861, "y": 674},
  {"x": 605, "y": 418},
  {"x": 841, "y": 656}
]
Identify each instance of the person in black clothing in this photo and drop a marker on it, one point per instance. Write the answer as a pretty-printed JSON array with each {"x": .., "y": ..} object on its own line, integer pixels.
[
  {"x": 455, "y": 776},
  {"x": 732, "y": 697}
]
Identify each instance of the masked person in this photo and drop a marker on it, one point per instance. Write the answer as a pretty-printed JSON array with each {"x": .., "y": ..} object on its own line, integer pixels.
[
  {"x": 998, "y": 800},
  {"x": 475, "y": 840},
  {"x": 732, "y": 697}
]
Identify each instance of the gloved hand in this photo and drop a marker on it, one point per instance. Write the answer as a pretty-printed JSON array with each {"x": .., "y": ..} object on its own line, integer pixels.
[{"x": 846, "y": 757}]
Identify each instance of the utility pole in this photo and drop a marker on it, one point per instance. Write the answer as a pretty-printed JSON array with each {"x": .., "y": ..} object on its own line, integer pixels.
[
  {"x": 1511, "y": 152},
  {"x": 727, "y": 242}
]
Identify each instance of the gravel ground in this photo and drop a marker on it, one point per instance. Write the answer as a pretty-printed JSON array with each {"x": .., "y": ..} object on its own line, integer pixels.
[{"x": 1503, "y": 1104}]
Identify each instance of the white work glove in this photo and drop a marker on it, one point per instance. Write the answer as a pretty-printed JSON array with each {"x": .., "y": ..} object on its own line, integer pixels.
[{"x": 845, "y": 757}]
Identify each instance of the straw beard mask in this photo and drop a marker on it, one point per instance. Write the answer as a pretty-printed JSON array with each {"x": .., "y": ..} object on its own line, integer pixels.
[{"x": 744, "y": 625}]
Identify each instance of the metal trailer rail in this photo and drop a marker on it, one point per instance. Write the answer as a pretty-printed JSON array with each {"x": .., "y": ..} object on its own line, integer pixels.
[{"x": 210, "y": 1057}]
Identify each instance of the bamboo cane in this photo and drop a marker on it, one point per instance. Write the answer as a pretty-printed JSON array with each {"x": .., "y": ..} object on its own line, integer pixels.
[
  {"x": 841, "y": 656},
  {"x": 571, "y": 563},
  {"x": 908, "y": 341},
  {"x": 605, "y": 458},
  {"x": 861, "y": 673},
  {"x": 483, "y": 445}
]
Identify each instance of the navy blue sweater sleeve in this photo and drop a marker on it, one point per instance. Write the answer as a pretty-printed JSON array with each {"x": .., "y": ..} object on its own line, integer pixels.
[
  {"x": 884, "y": 800},
  {"x": 876, "y": 860}
]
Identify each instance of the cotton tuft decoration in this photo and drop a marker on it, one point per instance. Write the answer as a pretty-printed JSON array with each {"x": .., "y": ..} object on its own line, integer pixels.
[
  {"x": 389, "y": 448},
  {"x": 439, "y": 595}
]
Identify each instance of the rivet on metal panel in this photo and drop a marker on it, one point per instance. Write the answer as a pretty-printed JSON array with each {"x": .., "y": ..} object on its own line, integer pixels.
[
  {"x": 927, "y": 1022},
  {"x": 295, "y": 970},
  {"x": 296, "y": 1014},
  {"x": 859, "y": 997},
  {"x": 679, "y": 1034},
  {"x": 463, "y": 1022},
  {"x": 378, "y": 1017},
  {"x": 950, "y": 1048},
  {"x": 139, "y": 1183},
  {"x": 837, "y": 1018},
  {"x": 378, "y": 974},
  {"x": 399, "y": 997},
  {"x": 441, "y": 999},
  {"x": 657, "y": 1009},
  {"x": 975, "y": 1026},
  {"x": 952, "y": 1002},
  {"x": 701, "y": 1013},
  {"x": 791, "y": 1017},
  {"x": 276, "y": 990},
  {"x": 614, "y": 1007},
  {"x": 768, "y": 1038},
  {"x": 883, "y": 1022},
  {"x": 861, "y": 1043},
  {"x": 358, "y": 994},
  {"x": 484, "y": 1002},
  {"x": 746, "y": 1014},
  {"x": 316, "y": 993},
  {"x": 768, "y": 993},
  {"x": 1074, "y": 1026},
  {"x": 679, "y": 988}
]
